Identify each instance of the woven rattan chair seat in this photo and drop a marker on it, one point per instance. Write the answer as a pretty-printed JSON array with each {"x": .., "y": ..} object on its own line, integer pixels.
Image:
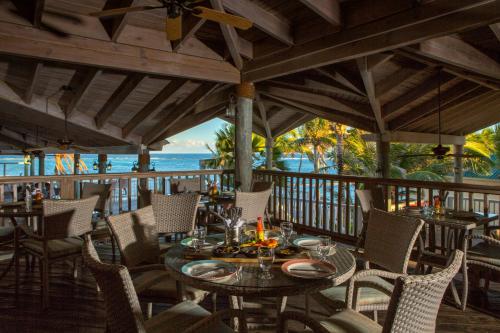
[
  {"x": 485, "y": 253},
  {"x": 56, "y": 247},
  {"x": 350, "y": 321}
]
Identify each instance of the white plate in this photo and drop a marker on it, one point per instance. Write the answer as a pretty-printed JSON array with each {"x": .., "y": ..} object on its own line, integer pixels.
[
  {"x": 308, "y": 268},
  {"x": 211, "y": 270},
  {"x": 307, "y": 242},
  {"x": 209, "y": 242}
]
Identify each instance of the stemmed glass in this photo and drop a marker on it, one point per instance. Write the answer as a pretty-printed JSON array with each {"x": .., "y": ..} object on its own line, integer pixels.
[
  {"x": 324, "y": 246},
  {"x": 266, "y": 260},
  {"x": 286, "y": 231},
  {"x": 198, "y": 239}
]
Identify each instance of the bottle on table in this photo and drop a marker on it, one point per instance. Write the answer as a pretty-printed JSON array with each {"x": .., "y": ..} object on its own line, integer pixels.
[{"x": 259, "y": 232}]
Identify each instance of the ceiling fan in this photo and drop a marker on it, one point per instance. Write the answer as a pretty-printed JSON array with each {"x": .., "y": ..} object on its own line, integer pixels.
[
  {"x": 175, "y": 10},
  {"x": 440, "y": 152}
]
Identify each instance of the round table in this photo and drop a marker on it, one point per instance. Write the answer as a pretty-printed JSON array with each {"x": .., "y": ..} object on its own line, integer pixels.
[{"x": 249, "y": 283}]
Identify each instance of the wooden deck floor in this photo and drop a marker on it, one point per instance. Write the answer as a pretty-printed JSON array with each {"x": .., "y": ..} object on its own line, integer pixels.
[{"x": 77, "y": 307}]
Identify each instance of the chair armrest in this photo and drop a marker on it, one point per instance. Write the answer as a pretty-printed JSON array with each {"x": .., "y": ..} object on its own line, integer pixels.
[
  {"x": 217, "y": 317},
  {"x": 488, "y": 239},
  {"x": 28, "y": 232},
  {"x": 358, "y": 280},
  {"x": 287, "y": 316},
  {"x": 217, "y": 215},
  {"x": 145, "y": 268}
]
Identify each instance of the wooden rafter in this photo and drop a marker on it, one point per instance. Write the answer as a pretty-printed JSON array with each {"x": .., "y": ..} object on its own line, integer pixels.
[
  {"x": 395, "y": 79},
  {"x": 292, "y": 122},
  {"x": 34, "y": 43},
  {"x": 496, "y": 30},
  {"x": 263, "y": 115},
  {"x": 158, "y": 102},
  {"x": 325, "y": 84},
  {"x": 430, "y": 107},
  {"x": 190, "y": 25},
  {"x": 179, "y": 111},
  {"x": 80, "y": 89},
  {"x": 117, "y": 98},
  {"x": 32, "y": 10},
  {"x": 342, "y": 77},
  {"x": 277, "y": 27},
  {"x": 378, "y": 59},
  {"x": 369, "y": 81},
  {"x": 433, "y": 19},
  {"x": 114, "y": 25},
  {"x": 327, "y": 9},
  {"x": 197, "y": 118},
  {"x": 230, "y": 36},
  {"x": 33, "y": 80}
]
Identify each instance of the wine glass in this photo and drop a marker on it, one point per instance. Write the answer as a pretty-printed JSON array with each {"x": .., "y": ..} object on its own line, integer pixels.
[
  {"x": 324, "y": 246},
  {"x": 286, "y": 231},
  {"x": 266, "y": 259},
  {"x": 198, "y": 239}
]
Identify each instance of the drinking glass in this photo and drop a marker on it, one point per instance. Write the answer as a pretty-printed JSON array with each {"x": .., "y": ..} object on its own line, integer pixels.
[
  {"x": 324, "y": 246},
  {"x": 266, "y": 259},
  {"x": 198, "y": 239},
  {"x": 286, "y": 231}
]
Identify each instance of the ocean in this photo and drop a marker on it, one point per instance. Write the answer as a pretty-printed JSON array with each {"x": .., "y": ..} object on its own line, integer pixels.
[{"x": 13, "y": 164}]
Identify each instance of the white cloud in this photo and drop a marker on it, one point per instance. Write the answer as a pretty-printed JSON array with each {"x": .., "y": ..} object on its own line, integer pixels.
[{"x": 186, "y": 146}]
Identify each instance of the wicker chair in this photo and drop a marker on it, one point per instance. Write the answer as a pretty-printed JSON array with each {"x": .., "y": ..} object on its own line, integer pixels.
[
  {"x": 144, "y": 196},
  {"x": 123, "y": 313},
  {"x": 64, "y": 221},
  {"x": 389, "y": 242},
  {"x": 175, "y": 213},
  {"x": 368, "y": 199},
  {"x": 413, "y": 306},
  {"x": 137, "y": 239},
  {"x": 254, "y": 204},
  {"x": 184, "y": 185},
  {"x": 485, "y": 255}
]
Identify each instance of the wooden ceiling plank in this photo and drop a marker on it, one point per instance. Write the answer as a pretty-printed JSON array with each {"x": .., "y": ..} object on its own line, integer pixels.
[
  {"x": 34, "y": 78},
  {"x": 152, "y": 106},
  {"x": 114, "y": 25},
  {"x": 327, "y": 9},
  {"x": 38, "y": 44},
  {"x": 32, "y": 10},
  {"x": 431, "y": 106},
  {"x": 230, "y": 36},
  {"x": 346, "y": 79},
  {"x": 378, "y": 59},
  {"x": 323, "y": 83},
  {"x": 190, "y": 25},
  {"x": 179, "y": 111},
  {"x": 453, "y": 51},
  {"x": 394, "y": 80},
  {"x": 369, "y": 81},
  {"x": 79, "y": 92},
  {"x": 433, "y": 19},
  {"x": 292, "y": 122},
  {"x": 277, "y": 27},
  {"x": 496, "y": 30},
  {"x": 117, "y": 98},
  {"x": 423, "y": 89},
  {"x": 263, "y": 115},
  {"x": 17, "y": 140}
]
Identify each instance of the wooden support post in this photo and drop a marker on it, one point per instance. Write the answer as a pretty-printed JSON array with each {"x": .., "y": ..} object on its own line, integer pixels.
[
  {"x": 32, "y": 165},
  {"x": 41, "y": 164},
  {"x": 458, "y": 171},
  {"x": 243, "y": 168},
  {"x": 269, "y": 153},
  {"x": 383, "y": 162},
  {"x": 26, "y": 167},
  {"x": 144, "y": 160},
  {"x": 76, "y": 171}
]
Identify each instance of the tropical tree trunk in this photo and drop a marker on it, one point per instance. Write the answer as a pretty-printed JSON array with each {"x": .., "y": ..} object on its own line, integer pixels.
[
  {"x": 315, "y": 159},
  {"x": 300, "y": 161}
]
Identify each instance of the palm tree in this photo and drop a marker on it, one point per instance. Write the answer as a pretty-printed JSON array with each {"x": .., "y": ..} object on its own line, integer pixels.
[
  {"x": 340, "y": 132},
  {"x": 481, "y": 144}
]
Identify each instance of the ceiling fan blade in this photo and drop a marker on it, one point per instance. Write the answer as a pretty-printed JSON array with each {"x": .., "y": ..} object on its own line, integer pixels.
[
  {"x": 464, "y": 155},
  {"x": 81, "y": 149},
  {"x": 221, "y": 17},
  {"x": 173, "y": 28},
  {"x": 417, "y": 155},
  {"x": 53, "y": 30},
  {"x": 121, "y": 11}
]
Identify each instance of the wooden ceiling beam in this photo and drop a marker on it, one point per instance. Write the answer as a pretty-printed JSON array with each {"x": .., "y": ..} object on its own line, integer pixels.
[
  {"x": 429, "y": 85},
  {"x": 496, "y": 30},
  {"x": 79, "y": 90},
  {"x": 32, "y": 10},
  {"x": 327, "y": 9},
  {"x": 154, "y": 105},
  {"x": 346, "y": 79},
  {"x": 433, "y": 19},
  {"x": 117, "y": 98},
  {"x": 292, "y": 122},
  {"x": 32, "y": 82},
  {"x": 378, "y": 59},
  {"x": 114, "y": 25},
  {"x": 277, "y": 27},
  {"x": 230, "y": 36},
  {"x": 193, "y": 119},
  {"x": 38, "y": 44},
  {"x": 327, "y": 85},
  {"x": 431, "y": 106},
  {"x": 455, "y": 52},
  {"x": 190, "y": 25},
  {"x": 369, "y": 81},
  {"x": 179, "y": 111},
  {"x": 263, "y": 115},
  {"x": 14, "y": 139},
  {"x": 395, "y": 79}
]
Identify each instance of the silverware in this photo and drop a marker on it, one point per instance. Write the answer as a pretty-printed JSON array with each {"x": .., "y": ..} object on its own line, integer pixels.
[
  {"x": 308, "y": 270},
  {"x": 208, "y": 271}
]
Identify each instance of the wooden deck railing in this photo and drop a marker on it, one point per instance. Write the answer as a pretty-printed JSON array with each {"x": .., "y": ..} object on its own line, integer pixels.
[{"x": 328, "y": 204}]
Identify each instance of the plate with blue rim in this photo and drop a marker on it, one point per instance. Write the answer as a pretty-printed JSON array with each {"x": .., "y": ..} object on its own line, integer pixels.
[
  {"x": 210, "y": 270},
  {"x": 307, "y": 242}
]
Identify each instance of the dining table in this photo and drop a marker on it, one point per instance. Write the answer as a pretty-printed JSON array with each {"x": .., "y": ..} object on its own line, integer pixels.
[{"x": 248, "y": 282}]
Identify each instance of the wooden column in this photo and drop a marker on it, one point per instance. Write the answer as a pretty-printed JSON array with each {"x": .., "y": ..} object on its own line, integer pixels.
[
  {"x": 76, "y": 171},
  {"x": 269, "y": 153},
  {"x": 144, "y": 160},
  {"x": 458, "y": 172},
  {"x": 26, "y": 167},
  {"x": 383, "y": 149},
  {"x": 243, "y": 164},
  {"x": 41, "y": 164},
  {"x": 102, "y": 162}
]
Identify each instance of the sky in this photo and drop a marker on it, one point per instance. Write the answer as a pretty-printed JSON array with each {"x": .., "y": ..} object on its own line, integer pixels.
[{"x": 194, "y": 140}]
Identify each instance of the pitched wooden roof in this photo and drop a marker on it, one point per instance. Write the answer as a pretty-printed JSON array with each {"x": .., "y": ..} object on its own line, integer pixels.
[{"x": 374, "y": 65}]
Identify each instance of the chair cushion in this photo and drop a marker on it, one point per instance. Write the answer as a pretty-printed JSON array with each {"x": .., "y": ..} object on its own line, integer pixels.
[
  {"x": 485, "y": 253},
  {"x": 181, "y": 316},
  {"x": 158, "y": 284},
  {"x": 349, "y": 321},
  {"x": 335, "y": 297},
  {"x": 56, "y": 247}
]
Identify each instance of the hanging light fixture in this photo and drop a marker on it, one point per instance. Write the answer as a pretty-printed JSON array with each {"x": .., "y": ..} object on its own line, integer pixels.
[
  {"x": 109, "y": 166},
  {"x": 27, "y": 159},
  {"x": 95, "y": 166},
  {"x": 152, "y": 169},
  {"x": 231, "y": 107},
  {"x": 135, "y": 167}
]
